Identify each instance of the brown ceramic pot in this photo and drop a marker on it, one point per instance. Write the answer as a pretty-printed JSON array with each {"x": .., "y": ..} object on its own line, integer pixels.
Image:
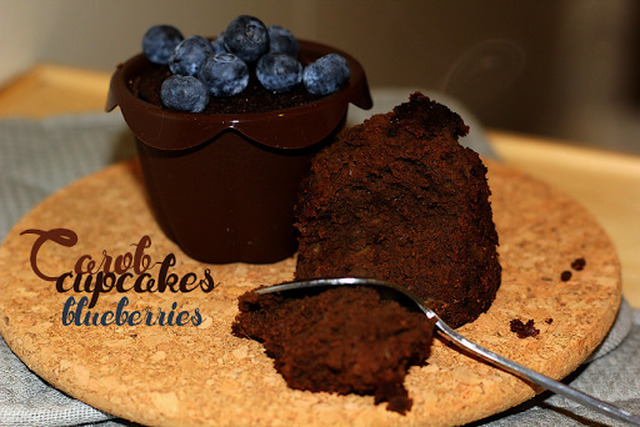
[{"x": 223, "y": 186}]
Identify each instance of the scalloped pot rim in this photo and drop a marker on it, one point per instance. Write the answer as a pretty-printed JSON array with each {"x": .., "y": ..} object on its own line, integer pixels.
[{"x": 291, "y": 128}]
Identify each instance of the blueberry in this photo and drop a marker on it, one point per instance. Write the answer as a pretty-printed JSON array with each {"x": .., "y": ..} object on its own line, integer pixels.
[
  {"x": 326, "y": 75},
  {"x": 247, "y": 37},
  {"x": 189, "y": 54},
  {"x": 279, "y": 72},
  {"x": 281, "y": 40},
  {"x": 159, "y": 41},
  {"x": 184, "y": 93},
  {"x": 224, "y": 74},
  {"x": 218, "y": 44}
]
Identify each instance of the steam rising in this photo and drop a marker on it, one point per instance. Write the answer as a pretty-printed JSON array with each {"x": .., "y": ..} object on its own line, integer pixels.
[{"x": 485, "y": 69}]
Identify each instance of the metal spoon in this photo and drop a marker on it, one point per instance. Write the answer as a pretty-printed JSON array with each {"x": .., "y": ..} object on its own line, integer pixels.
[{"x": 407, "y": 299}]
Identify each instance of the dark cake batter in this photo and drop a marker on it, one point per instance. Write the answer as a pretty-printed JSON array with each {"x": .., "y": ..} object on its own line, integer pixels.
[
  {"x": 397, "y": 198},
  {"x": 342, "y": 340},
  {"x": 255, "y": 98}
]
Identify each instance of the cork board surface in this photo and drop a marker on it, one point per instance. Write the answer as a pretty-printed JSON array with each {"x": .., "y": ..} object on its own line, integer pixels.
[{"x": 202, "y": 375}]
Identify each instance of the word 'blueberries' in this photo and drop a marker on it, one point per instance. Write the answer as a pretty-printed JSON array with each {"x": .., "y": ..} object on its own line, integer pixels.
[
  {"x": 224, "y": 74},
  {"x": 184, "y": 93},
  {"x": 159, "y": 41},
  {"x": 282, "y": 41},
  {"x": 189, "y": 54},
  {"x": 247, "y": 37},
  {"x": 279, "y": 72},
  {"x": 326, "y": 75}
]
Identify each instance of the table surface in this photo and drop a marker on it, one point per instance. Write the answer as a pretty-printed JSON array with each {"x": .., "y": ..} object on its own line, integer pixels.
[{"x": 606, "y": 183}]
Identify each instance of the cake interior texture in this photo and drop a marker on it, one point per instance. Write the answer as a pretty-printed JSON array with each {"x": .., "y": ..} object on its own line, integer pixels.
[
  {"x": 341, "y": 340},
  {"x": 398, "y": 198}
]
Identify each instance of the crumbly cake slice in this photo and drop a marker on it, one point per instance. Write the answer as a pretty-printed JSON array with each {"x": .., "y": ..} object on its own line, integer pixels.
[{"x": 398, "y": 198}]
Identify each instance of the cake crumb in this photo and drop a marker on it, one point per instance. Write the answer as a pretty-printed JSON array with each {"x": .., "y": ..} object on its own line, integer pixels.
[
  {"x": 565, "y": 276},
  {"x": 524, "y": 330},
  {"x": 578, "y": 264}
]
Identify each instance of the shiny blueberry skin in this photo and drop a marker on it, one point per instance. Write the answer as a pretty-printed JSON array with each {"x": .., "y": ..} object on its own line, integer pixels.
[
  {"x": 282, "y": 41},
  {"x": 326, "y": 75},
  {"x": 159, "y": 41},
  {"x": 247, "y": 37},
  {"x": 189, "y": 55},
  {"x": 218, "y": 44},
  {"x": 224, "y": 74},
  {"x": 279, "y": 72},
  {"x": 184, "y": 93}
]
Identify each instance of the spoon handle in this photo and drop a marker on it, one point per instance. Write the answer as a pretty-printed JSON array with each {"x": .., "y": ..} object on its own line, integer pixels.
[{"x": 536, "y": 377}]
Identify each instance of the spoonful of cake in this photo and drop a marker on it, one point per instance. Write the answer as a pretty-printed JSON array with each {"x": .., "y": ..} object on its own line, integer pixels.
[{"x": 405, "y": 298}]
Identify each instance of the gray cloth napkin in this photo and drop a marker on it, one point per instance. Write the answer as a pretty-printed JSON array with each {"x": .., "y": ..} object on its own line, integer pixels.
[{"x": 39, "y": 157}]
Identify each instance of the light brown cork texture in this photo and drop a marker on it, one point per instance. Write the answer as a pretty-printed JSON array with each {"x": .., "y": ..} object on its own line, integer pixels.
[{"x": 172, "y": 375}]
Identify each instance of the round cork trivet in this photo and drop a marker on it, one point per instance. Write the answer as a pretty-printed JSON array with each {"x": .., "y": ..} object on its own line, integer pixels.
[{"x": 202, "y": 375}]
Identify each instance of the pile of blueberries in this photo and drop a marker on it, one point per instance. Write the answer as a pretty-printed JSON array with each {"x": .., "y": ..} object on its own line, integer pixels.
[{"x": 221, "y": 68}]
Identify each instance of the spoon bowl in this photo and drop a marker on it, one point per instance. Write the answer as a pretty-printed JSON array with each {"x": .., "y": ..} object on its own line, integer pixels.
[{"x": 404, "y": 297}]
